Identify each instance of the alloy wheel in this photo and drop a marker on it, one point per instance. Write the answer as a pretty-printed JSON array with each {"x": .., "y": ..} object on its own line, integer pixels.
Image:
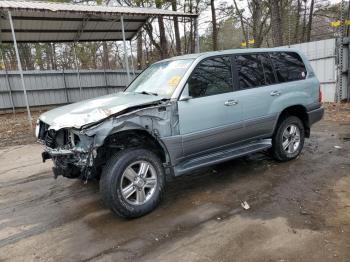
[
  {"x": 138, "y": 182},
  {"x": 291, "y": 139}
]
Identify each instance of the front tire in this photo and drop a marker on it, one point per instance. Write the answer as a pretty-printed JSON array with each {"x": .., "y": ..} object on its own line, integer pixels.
[
  {"x": 132, "y": 182},
  {"x": 288, "y": 140}
]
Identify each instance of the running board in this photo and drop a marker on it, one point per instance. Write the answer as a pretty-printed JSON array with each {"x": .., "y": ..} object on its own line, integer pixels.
[{"x": 221, "y": 156}]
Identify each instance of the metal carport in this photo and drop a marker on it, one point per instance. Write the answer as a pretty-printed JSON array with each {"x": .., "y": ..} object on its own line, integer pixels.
[{"x": 25, "y": 21}]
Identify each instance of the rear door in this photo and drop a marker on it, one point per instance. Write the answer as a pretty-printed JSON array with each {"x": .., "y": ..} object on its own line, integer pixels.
[
  {"x": 257, "y": 82},
  {"x": 210, "y": 112},
  {"x": 268, "y": 79}
]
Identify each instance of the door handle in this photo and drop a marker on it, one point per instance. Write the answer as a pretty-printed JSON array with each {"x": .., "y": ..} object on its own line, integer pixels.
[
  {"x": 275, "y": 93},
  {"x": 231, "y": 102}
]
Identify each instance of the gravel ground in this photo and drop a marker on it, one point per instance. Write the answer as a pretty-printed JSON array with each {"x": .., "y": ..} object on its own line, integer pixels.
[{"x": 299, "y": 210}]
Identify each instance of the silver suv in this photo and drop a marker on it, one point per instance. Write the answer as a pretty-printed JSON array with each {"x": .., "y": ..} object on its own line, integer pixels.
[{"x": 182, "y": 114}]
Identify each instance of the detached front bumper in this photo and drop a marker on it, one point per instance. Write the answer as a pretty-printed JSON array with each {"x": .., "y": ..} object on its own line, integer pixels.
[{"x": 50, "y": 153}]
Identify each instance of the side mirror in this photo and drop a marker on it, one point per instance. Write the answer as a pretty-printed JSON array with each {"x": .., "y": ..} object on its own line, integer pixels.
[
  {"x": 185, "y": 95},
  {"x": 185, "y": 98}
]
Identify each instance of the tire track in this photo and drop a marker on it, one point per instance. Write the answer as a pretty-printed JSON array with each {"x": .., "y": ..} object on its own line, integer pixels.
[{"x": 33, "y": 178}]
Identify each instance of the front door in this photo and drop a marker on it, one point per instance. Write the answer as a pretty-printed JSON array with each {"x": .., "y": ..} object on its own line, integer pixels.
[{"x": 210, "y": 112}]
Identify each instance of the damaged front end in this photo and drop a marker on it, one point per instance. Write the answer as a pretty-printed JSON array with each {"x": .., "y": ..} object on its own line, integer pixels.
[
  {"x": 82, "y": 152},
  {"x": 70, "y": 151}
]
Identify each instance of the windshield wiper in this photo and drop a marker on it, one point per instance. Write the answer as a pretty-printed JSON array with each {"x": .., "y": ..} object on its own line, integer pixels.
[{"x": 148, "y": 93}]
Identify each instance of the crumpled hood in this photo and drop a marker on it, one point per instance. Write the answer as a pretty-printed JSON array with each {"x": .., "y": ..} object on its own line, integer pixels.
[{"x": 89, "y": 111}]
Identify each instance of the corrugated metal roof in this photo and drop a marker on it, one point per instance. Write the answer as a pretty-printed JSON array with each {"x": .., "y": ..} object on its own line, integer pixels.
[
  {"x": 57, "y": 22},
  {"x": 96, "y": 9}
]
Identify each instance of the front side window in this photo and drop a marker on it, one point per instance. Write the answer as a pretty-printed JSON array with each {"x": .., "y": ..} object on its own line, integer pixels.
[
  {"x": 250, "y": 71},
  {"x": 161, "y": 78},
  {"x": 288, "y": 66},
  {"x": 211, "y": 77}
]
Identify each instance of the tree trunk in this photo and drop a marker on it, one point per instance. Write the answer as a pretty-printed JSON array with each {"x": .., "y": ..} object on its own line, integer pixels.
[
  {"x": 176, "y": 28},
  {"x": 26, "y": 56},
  {"x": 192, "y": 33},
  {"x": 105, "y": 55},
  {"x": 149, "y": 29},
  {"x": 53, "y": 56},
  {"x": 257, "y": 23},
  {"x": 162, "y": 35},
  {"x": 309, "y": 26},
  {"x": 276, "y": 20},
  {"x": 50, "y": 61},
  {"x": 302, "y": 38},
  {"x": 162, "y": 38},
  {"x": 185, "y": 31},
  {"x": 139, "y": 51},
  {"x": 297, "y": 23},
  {"x": 39, "y": 56},
  {"x": 241, "y": 20},
  {"x": 215, "y": 29}
]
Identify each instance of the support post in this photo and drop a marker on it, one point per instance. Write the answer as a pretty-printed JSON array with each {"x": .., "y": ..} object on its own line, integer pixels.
[
  {"x": 196, "y": 36},
  {"x": 339, "y": 88},
  {"x": 20, "y": 70},
  {"x": 348, "y": 69},
  {"x": 125, "y": 53},
  {"x": 289, "y": 30},
  {"x": 78, "y": 71}
]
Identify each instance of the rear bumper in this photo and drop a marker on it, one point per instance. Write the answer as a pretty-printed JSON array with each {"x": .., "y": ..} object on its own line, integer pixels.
[{"x": 315, "y": 115}]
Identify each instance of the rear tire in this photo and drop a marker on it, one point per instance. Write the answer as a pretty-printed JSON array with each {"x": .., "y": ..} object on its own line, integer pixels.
[
  {"x": 132, "y": 182},
  {"x": 288, "y": 139}
]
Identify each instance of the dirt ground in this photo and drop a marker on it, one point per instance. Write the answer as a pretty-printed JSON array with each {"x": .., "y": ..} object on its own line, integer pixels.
[{"x": 299, "y": 210}]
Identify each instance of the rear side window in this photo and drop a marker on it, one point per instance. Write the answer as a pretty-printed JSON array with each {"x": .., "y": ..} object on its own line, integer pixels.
[
  {"x": 250, "y": 71},
  {"x": 211, "y": 77},
  {"x": 268, "y": 69},
  {"x": 288, "y": 66}
]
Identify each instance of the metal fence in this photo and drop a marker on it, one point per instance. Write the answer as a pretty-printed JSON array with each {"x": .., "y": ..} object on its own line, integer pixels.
[
  {"x": 58, "y": 87},
  {"x": 324, "y": 59}
]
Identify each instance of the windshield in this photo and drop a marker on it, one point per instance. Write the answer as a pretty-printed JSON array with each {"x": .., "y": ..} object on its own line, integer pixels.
[{"x": 160, "y": 78}]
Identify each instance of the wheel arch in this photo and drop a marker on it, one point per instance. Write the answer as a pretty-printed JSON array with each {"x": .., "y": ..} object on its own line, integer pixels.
[
  {"x": 137, "y": 137},
  {"x": 299, "y": 111}
]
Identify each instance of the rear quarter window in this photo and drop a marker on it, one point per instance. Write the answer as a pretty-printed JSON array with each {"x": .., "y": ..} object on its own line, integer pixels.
[{"x": 288, "y": 66}]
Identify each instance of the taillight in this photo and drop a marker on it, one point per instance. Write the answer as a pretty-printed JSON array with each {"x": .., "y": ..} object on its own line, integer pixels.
[{"x": 319, "y": 94}]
